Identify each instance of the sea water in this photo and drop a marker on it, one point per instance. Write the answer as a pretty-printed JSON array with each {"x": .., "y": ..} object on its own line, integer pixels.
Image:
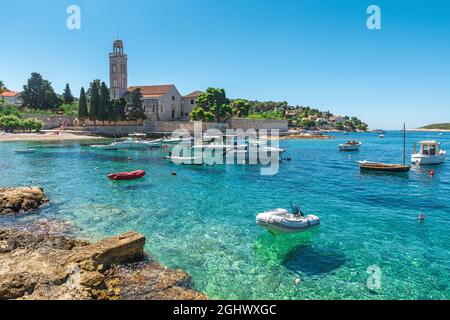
[{"x": 369, "y": 244}]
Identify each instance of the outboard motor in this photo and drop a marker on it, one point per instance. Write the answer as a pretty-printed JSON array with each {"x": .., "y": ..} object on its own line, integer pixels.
[{"x": 296, "y": 210}]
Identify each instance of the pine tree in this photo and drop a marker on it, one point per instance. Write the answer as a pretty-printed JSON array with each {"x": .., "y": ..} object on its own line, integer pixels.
[
  {"x": 103, "y": 107},
  {"x": 82, "y": 108},
  {"x": 133, "y": 108},
  {"x": 94, "y": 103},
  {"x": 67, "y": 95}
]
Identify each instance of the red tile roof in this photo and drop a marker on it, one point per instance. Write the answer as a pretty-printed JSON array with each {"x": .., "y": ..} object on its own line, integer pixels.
[
  {"x": 9, "y": 94},
  {"x": 194, "y": 94},
  {"x": 153, "y": 91}
]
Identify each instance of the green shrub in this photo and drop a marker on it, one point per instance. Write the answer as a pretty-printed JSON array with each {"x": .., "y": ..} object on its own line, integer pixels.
[
  {"x": 13, "y": 122},
  {"x": 70, "y": 109},
  {"x": 10, "y": 122},
  {"x": 10, "y": 110}
]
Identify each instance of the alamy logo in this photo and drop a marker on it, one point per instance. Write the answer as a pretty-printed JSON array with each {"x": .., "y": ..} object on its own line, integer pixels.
[
  {"x": 73, "y": 21},
  {"x": 374, "y": 20}
]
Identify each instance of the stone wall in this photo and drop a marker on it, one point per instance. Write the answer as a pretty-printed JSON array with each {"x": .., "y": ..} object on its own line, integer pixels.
[
  {"x": 90, "y": 123},
  {"x": 246, "y": 124},
  {"x": 52, "y": 122},
  {"x": 111, "y": 131}
]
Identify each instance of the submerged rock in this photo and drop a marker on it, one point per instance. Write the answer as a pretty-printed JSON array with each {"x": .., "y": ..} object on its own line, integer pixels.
[
  {"x": 21, "y": 199},
  {"x": 36, "y": 267}
]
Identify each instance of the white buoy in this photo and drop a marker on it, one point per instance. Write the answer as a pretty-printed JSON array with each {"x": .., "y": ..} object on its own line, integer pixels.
[{"x": 297, "y": 281}]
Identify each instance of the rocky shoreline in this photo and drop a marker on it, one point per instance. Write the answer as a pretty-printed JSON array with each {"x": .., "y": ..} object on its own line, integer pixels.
[
  {"x": 37, "y": 264},
  {"x": 21, "y": 200}
]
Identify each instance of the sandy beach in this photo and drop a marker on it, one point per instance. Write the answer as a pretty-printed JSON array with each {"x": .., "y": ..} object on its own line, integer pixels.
[{"x": 44, "y": 136}]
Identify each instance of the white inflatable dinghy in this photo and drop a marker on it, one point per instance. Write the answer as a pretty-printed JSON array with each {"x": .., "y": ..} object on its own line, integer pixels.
[{"x": 281, "y": 221}]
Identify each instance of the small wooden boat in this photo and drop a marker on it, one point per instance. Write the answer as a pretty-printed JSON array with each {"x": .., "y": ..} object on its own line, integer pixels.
[
  {"x": 383, "y": 167},
  {"x": 387, "y": 167},
  {"x": 127, "y": 175}
]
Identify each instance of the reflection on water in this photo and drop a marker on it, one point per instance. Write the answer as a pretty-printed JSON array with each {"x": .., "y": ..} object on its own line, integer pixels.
[{"x": 273, "y": 249}]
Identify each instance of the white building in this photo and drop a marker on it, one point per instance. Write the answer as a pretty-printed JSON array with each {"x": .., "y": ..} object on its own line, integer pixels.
[
  {"x": 160, "y": 102},
  {"x": 11, "y": 97},
  {"x": 189, "y": 102}
]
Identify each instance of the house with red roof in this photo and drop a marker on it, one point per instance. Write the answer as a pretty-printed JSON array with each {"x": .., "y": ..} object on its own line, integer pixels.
[{"x": 11, "y": 97}]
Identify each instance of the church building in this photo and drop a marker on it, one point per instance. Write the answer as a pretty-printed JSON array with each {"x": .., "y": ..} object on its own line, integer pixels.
[{"x": 160, "y": 102}]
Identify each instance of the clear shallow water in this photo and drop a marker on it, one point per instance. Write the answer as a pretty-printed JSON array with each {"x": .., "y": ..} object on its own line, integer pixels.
[{"x": 203, "y": 219}]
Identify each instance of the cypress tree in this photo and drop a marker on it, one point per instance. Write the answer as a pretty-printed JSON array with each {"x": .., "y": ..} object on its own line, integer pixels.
[
  {"x": 67, "y": 95},
  {"x": 103, "y": 107},
  {"x": 94, "y": 103},
  {"x": 82, "y": 108}
]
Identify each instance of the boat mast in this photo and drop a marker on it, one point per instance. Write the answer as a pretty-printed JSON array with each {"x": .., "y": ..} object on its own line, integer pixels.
[{"x": 404, "y": 144}]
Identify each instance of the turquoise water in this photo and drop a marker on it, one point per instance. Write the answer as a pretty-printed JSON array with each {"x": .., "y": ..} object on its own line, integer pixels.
[{"x": 203, "y": 219}]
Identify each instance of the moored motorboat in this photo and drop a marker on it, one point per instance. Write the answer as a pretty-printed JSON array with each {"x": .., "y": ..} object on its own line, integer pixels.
[
  {"x": 281, "y": 221},
  {"x": 271, "y": 149},
  {"x": 25, "y": 151},
  {"x": 173, "y": 140},
  {"x": 111, "y": 146},
  {"x": 136, "y": 144},
  {"x": 127, "y": 175},
  {"x": 350, "y": 146},
  {"x": 185, "y": 160},
  {"x": 429, "y": 153}
]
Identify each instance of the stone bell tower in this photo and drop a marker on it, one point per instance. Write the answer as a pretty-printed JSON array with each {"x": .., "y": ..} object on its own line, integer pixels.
[{"x": 118, "y": 71}]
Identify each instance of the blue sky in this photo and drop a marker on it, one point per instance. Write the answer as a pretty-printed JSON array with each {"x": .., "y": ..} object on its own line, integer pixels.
[{"x": 307, "y": 52}]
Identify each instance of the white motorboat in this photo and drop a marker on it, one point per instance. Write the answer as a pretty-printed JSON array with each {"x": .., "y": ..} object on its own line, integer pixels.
[
  {"x": 429, "y": 153},
  {"x": 271, "y": 149},
  {"x": 260, "y": 142},
  {"x": 185, "y": 160},
  {"x": 129, "y": 143},
  {"x": 111, "y": 146},
  {"x": 281, "y": 221},
  {"x": 173, "y": 140},
  {"x": 135, "y": 144},
  {"x": 25, "y": 151},
  {"x": 350, "y": 146}
]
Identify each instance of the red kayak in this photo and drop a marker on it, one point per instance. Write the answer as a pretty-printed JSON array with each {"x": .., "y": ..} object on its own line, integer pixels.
[{"x": 127, "y": 175}]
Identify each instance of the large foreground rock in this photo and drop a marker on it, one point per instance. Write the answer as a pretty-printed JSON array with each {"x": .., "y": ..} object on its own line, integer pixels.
[
  {"x": 21, "y": 199},
  {"x": 38, "y": 267}
]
